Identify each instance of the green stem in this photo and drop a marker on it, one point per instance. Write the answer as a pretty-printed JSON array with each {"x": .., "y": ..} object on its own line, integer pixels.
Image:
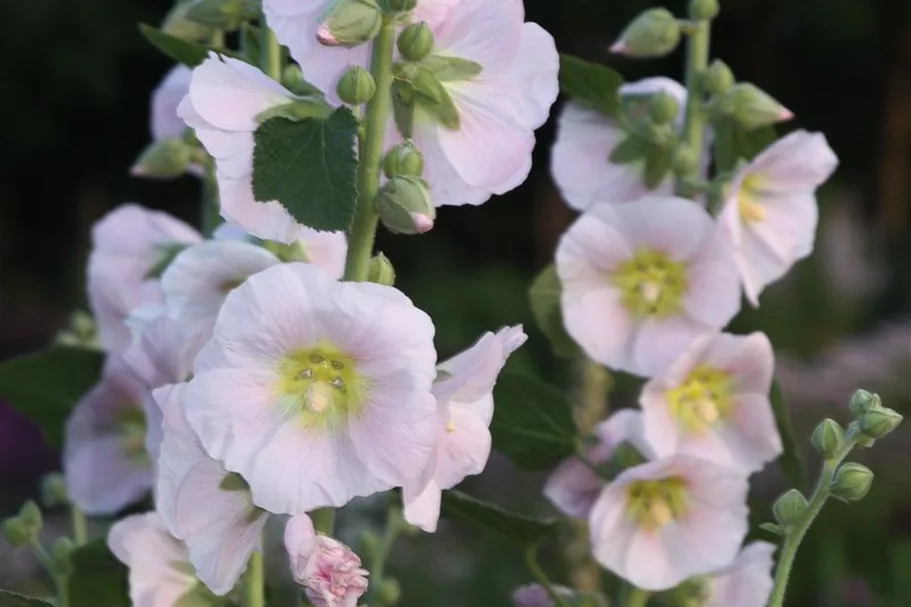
[
  {"x": 270, "y": 59},
  {"x": 323, "y": 520},
  {"x": 531, "y": 561},
  {"x": 210, "y": 216},
  {"x": 636, "y": 597},
  {"x": 61, "y": 582},
  {"x": 394, "y": 523},
  {"x": 795, "y": 534},
  {"x": 80, "y": 526},
  {"x": 364, "y": 224},
  {"x": 697, "y": 59},
  {"x": 254, "y": 582}
]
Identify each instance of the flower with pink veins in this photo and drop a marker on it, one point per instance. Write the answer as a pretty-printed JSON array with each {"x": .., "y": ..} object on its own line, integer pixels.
[
  {"x": 128, "y": 246},
  {"x": 106, "y": 460},
  {"x": 745, "y": 583},
  {"x": 664, "y": 521},
  {"x": 329, "y": 571},
  {"x": 160, "y": 574},
  {"x": 770, "y": 214},
  {"x": 573, "y": 487},
  {"x": 226, "y": 97},
  {"x": 464, "y": 394},
  {"x": 203, "y": 504},
  {"x": 580, "y": 162},
  {"x": 302, "y": 368},
  {"x": 713, "y": 403},
  {"x": 642, "y": 280}
]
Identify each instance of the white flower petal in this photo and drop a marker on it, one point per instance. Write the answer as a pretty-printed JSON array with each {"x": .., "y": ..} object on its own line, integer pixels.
[
  {"x": 166, "y": 97},
  {"x": 422, "y": 507},
  {"x": 746, "y": 583}
]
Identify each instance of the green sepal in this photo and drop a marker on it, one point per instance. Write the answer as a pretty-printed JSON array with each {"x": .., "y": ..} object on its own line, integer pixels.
[{"x": 448, "y": 69}]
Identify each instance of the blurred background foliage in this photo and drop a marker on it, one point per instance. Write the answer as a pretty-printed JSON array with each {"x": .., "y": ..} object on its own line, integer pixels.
[{"x": 74, "y": 84}]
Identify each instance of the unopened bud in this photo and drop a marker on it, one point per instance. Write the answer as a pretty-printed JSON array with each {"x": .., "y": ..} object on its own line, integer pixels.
[
  {"x": 53, "y": 491},
  {"x": 405, "y": 207},
  {"x": 350, "y": 23},
  {"x": 704, "y": 10},
  {"x": 356, "y": 86},
  {"x": 877, "y": 423},
  {"x": 16, "y": 533},
  {"x": 856, "y": 433},
  {"x": 61, "y": 551},
  {"x": 789, "y": 507},
  {"x": 863, "y": 401},
  {"x": 415, "y": 42},
  {"x": 381, "y": 271},
  {"x": 663, "y": 107},
  {"x": 752, "y": 107},
  {"x": 293, "y": 80},
  {"x": 683, "y": 160},
  {"x": 828, "y": 438},
  {"x": 30, "y": 515},
  {"x": 654, "y": 33},
  {"x": 389, "y": 592},
  {"x": 163, "y": 159},
  {"x": 401, "y": 6},
  {"x": 852, "y": 482},
  {"x": 177, "y": 24},
  {"x": 717, "y": 78},
  {"x": 403, "y": 159}
]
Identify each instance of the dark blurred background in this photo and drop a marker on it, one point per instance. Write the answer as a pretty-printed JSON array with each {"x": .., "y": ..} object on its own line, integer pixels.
[{"x": 75, "y": 79}]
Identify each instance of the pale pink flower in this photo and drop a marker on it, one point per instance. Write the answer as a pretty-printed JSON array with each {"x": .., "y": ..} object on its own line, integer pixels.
[
  {"x": 164, "y": 121},
  {"x": 465, "y": 404},
  {"x": 160, "y": 574},
  {"x": 105, "y": 458},
  {"x": 127, "y": 245},
  {"x": 302, "y": 368},
  {"x": 771, "y": 213},
  {"x": 713, "y": 403},
  {"x": 642, "y": 280},
  {"x": 226, "y": 97},
  {"x": 580, "y": 162},
  {"x": 573, "y": 487},
  {"x": 664, "y": 521},
  {"x": 202, "y": 503},
  {"x": 329, "y": 571},
  {"x": 745, "y": 583}
]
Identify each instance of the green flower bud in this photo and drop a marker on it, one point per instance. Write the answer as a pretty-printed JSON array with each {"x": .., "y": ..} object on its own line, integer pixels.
[
  {"x": 350, "y": 23},
  {"x": 683, "y": 160},
  {"x": 293, "y": 80},
  {"x": 223, "y": 14},
  {"x": 60, "y": 555},
  {"x": 789, "y": 507},
  {"x": 828, "y": 438},
  {"x": 163, "y": 159},
  {"x": 654, "y": 33},
  {"x": 856, "y": 433},
  {"x": 863, "y": 401},
  {"x": 415, "y": 42},
  {"x": 371, "y": 544},
  {"x": 663, "y": 108},
  {"x": 30, "y": 515},
  {"x": 717, "y": 78},
  {"x": 852, "y": 482},
  {"x": 53, "y": 491},
  {"x": 16, "y": 533},
  {"x": 403, "y": 159},
  {"x": 405, "y": 207},
  {"x": 401, "y": 6},
  {"x": 752, "y": 107},
  {"x": 877, "y": 423},
  {"x": 177, "y": 24},
  {"x": 694, "y": 592},
  {"x": 356, "y": 86},
  {"x": 389, "y": 591},
  {"x": 381, "y": 271},
  {"x": 704, "y": 10}
]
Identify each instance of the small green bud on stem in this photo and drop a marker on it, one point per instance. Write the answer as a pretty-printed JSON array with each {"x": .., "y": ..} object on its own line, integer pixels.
[
  {"x": 403, "y": 159},
  {"x": 863, "y": 401},
  {"x": 356, "y": 86},
  {"x": 350, "y": 23},
  {"x": 654, "y": 33},
  {"x": 415, "y": 42},
  {"x": 704, "y": 10},
  {"x": 381, "y": 271},
  {"x": 717, "y": 78},
  {"x": 30, "y": 515},
  {"x": 16, "y": 533},
  {"x": 663, "y": 108},
  {"x": 877, "y": 423},
  {"x": 789, "y": 507},
  {"x": 828, "y": 438},
  {"x": 852, "y": 482},
  {"x": 752, "y": 107},
  {"x": 53, "y": 491},
  {"x": 163, "y": 159},
  {"x": 405, "y": 207}
]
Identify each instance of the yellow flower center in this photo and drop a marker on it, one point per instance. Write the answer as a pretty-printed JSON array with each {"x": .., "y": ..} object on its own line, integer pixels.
[
  {"x": 651, "y": 284},
  {"x": 321, "y": 387},
  {"x": 751, "y": 211},
  {"x": 654, "y": 504},
  {"x": 701, "y": 399},
  {"x": 450, "y": 426}
]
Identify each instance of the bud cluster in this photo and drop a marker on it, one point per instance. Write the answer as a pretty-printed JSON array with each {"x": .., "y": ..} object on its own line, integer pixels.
[{"x": 22, "y": 530}]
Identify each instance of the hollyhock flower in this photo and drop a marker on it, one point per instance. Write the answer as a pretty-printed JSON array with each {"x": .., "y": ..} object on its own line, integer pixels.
[
  {"x": 203, "y": 504},
  {"x": 770, "y": 214},
  {"x": 329, "y": 571},
  {"x": 303, "y": 368},
  {"x": 642, "y": 280},
  {"x": 226, "y": 96},
  {"x": 105, "y": 458},
  {"x": 128, "y": 245},
  {"x": 160, "y": 574},
  {"x": 164, "y": 121},
  {"x": 573, "y": 487},
  {"x": 464, "y": 397},
  {"x": 580, "y": 162},
  {"x": 745, "y": 583},
  {"x": 713, "y": 403},
  {"x": 666, "y": 520}
]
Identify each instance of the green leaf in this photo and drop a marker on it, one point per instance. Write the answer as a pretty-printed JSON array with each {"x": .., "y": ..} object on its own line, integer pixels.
[
  {"x": 593, "y": 84},
  {"x": 13, "y": 599},
  {"x": 630, "y": 149},
  {"x": 545, "y": 306},
  {"x": 223, "y": 14},
  {"x": 732, "y": 143},
  {"x": 773, "y": 529},
  {"x": 44, "y": 386},
  {"x": 98, "y": 579},
  {"x": 188, "y": 53},
  {"x": 790, "y": 461},
  {"x": 657, "y": 166},
  {"x": 310, "y": 167},
  {"x": 518, "y": 528},
  {"x": 532, "y": 422}
]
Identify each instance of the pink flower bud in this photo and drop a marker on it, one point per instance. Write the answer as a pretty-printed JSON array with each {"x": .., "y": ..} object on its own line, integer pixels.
[
  {"x": 329, "y": 571},
  {"x": 619, "y": 48},
  {"x": 422, "y": 222},
  {"x": 324, "y": 35}
]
